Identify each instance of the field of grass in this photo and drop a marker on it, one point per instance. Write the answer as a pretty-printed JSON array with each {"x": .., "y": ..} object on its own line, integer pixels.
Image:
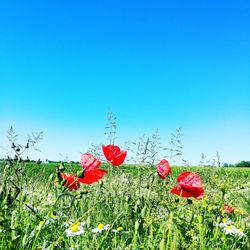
[{"x": 133, "y": 201}]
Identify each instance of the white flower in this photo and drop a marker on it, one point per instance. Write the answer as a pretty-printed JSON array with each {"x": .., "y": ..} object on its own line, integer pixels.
[
  {"x": 75, "y": 229},
  {"x": 229, "y": 229},
  {"x": 68, "y": 223},
  {"x": 233, "y": 230},
  {"x": 225, "y": 222},
  {"x": 100, "y": 228},
  {"x": 119, "y": 230}
]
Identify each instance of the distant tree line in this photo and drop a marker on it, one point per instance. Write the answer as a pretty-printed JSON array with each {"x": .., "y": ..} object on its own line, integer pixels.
[{"x": 242, "y": 164}]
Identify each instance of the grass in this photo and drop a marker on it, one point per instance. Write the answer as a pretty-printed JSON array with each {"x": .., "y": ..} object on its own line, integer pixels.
[{"x": 132, "y": 197}]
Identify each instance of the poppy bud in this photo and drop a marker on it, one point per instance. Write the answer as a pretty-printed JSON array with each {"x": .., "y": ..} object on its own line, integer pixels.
[
  {"x": 18, "y": 149},
  {"x": 13, "y": 145},
  {"x": 27, "y": 145}
]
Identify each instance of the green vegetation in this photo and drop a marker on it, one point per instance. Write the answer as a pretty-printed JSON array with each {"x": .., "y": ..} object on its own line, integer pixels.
[{"x": 133, "y": 200}]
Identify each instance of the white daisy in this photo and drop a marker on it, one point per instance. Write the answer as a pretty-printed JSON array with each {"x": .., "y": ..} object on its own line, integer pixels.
[
  {"x": 75, "y": 229},
  {"x": 225, "y": 222},
  {"x": 119, "y": 230},
  {"x": 100, "y": 228},
  {"x": 233, "y": 230}
]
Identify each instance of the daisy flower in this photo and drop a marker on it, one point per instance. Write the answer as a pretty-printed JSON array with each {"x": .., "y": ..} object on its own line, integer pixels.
[
  {"x": 119, "y": 230},
  {"x": 75, "y": 229},
  {"x": 233, "y": 230},
  {"x": 100, "y": 228}
]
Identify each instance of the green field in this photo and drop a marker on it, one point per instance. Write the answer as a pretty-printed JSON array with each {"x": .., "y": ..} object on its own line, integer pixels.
[{"x": 133, "y": 201}]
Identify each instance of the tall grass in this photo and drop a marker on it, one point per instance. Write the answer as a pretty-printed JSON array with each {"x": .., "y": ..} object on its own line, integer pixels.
[{"x": 133, "y": 198}]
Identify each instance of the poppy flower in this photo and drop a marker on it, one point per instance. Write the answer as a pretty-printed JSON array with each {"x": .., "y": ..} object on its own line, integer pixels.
[
  {"x": 228, "y": 209},
  {"x": 71, "y": 181},
  {"x": 91, "y": 172},
  {"x": 114, "y": 154},
  {"x": 189, "y": 185},
  {"x": 163, "y": 169},
  {"x": 88, "y": 161}
]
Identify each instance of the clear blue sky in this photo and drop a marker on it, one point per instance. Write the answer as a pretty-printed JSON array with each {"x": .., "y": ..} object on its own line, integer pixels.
[{"x": 157, "y": 64}]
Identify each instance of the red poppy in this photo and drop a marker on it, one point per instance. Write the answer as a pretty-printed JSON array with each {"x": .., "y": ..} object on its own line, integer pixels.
[
  {"x": 163, "y": 169},
  {"x": 88, "y": 161},
  {"x": 189, "y": 185},
  {"x": 228, "y": 209},
  {"x": 91, "y": 171},
  {"x": 71, "y": 181},
  {"x": 114, "y": 154}
]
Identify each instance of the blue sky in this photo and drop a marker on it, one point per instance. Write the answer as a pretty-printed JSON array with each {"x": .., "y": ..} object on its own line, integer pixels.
[{"x": 160, "y": 64}]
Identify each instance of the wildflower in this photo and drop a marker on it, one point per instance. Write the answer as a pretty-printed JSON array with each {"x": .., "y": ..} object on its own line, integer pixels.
[
  {"x": 88, "y": 161},
  {"x": 119, "y": 230},
  {"x": 189, "y": 185},
  {"x": 100, "y": 228},
  {"x": 114, "y": 154},
  {"x": 163, "y": 169},
  {"x": 75, "y": 229},
  {"x": 224, "y": 222},
  {"x": 68, "y": 223},
  {"x": 71, "y": 181},
  {"x": 91, "y": 172},
  {"x": 228, "y": 209},
  {"x": 232, "y": 230}
]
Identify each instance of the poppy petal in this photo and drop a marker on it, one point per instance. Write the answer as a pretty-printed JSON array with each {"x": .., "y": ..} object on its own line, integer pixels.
[
  {"x": 88, "y": 161},
  {"x": 110, "y": 151},
  {"x": 119, "y": 159},
  {"x": 183, "y": 176},
  {"x": 190, "y": 185},
  {"x": 180, "y": 192},
  {"x": 163, "y": 169},
  {"x": 91, "y": 176},
  {"x": 71, "y": 181}
]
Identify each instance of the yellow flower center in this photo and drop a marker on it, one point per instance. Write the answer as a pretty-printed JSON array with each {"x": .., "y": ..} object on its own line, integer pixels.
[
  {"x": 75, "y": 227},
  {"x": 229, "y": 227},
  {"x": 100, "y": 226},
  {"x": 224, "y": 220},
  {"x": 120, "y": 229}
]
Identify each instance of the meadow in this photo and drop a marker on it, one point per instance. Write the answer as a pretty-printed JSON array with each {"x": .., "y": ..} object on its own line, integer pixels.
[{"x": 129, "y": 208}]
